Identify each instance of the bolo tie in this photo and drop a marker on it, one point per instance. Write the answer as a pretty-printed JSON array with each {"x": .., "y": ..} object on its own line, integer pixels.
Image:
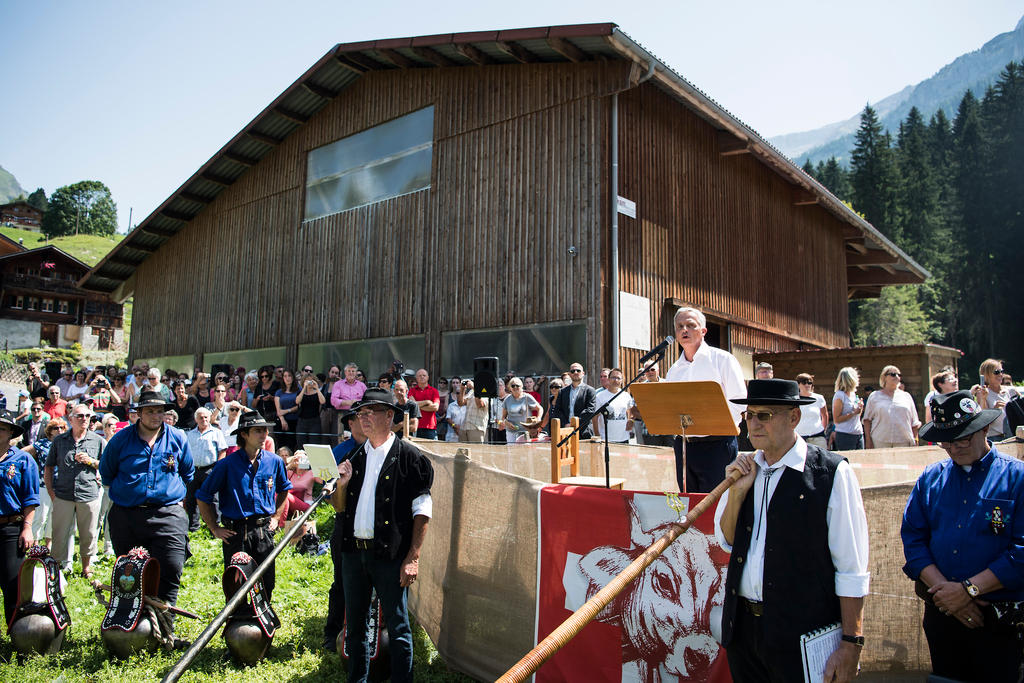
[{"x": 764, "y": 500}]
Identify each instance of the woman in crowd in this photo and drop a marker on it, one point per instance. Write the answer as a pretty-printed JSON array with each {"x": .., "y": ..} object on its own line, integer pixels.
[
  {"x": 944, "y": 381},
  {"x": 497, "y": 406},
  {"x": 120, "y": 408},
  {"x": 846, "y": 410},
  {"x": 300, "y": 474},
  {"x": 530, "y": 387},
  {"x": 309, "y": 402},
  {"x": 992, "y": 395},
  {"x": 286, "y": 408},
  {"x": 184, "y": 407},
  {"x": 813, "y": 416},
  {"x": 80, "y": 388},
  {"x": 247, "y": 395},
  {"x": 102, "y": 395},
  {"x": 228, "y": 422},
  {"x": 442, "y": 409},
  {"x": 520, "y": 410},
  {"x": 42, "y": 523},
  {"x": 385, "y": 381},
  {"x": 263, "y": 394},
  {"x": 218, "y": 405},
  {"x": 890, "y": 416},
  {"x": 201, "y": 388}
]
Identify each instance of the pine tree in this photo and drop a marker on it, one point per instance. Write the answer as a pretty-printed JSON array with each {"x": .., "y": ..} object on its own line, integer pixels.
[
  {"x": 917, "y": 205},
  {"x": 872, "y": 173},
  {"x": 833, "y": 176}
]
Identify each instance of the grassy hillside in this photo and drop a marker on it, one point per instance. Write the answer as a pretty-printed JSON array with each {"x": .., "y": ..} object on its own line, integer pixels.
[{"x": 86, "y": 248}]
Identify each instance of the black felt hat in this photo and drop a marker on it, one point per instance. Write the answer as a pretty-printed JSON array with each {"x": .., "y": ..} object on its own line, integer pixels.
[
  {"x": 152, "y": 398},
  {"x": 380, "y": 397},
  {"x": 956, "y": 416},
  {"x": 7, "y": 420},
  {"x": 773, "y": 392},
  {"x": 250, "y": 419}
]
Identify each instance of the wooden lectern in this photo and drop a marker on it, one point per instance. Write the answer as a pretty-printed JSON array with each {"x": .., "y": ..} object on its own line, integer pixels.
[{"x": 680, "y": 407}]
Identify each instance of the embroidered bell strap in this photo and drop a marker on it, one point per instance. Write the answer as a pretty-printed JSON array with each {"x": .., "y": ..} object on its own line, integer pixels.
[
  {"x": 257, "y": 605},
  {"x": 126, "y": 591},
  {"x": 373, "y": 625},
  {"x": 39, "y": 567}
]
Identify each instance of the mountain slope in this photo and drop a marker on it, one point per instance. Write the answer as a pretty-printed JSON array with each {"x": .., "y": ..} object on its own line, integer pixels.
[
  {"x": 9, "y": 187},
  {"x": 975, "y": 70}
]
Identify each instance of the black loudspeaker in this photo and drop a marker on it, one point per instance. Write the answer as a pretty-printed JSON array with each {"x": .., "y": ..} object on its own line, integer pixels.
[
  {"x": 220, "y": 367},
  {"x": 485, "y": 376},
  {"x": 52, "y": 369}
]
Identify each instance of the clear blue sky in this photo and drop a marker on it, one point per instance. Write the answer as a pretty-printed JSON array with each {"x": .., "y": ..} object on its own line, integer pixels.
[{"x": 139, "y": 94}]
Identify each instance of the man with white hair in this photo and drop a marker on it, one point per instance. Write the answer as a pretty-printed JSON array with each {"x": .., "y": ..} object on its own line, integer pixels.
[
  {"x": 706, "y": 456},
  {"x": 208, "y": 445}
]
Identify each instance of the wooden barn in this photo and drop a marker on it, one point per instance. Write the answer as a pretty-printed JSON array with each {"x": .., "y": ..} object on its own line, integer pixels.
[{"x": 543, "y": 195}]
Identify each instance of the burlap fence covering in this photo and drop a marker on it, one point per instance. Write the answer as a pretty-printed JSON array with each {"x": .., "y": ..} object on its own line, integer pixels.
[{"x": 476, "y": 597}]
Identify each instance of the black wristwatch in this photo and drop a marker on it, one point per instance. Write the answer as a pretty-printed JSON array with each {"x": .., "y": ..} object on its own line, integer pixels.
[{"x": 856, "y": 640}]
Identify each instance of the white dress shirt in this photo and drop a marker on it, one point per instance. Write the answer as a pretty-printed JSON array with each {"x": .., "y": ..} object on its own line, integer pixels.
[
  {"x": 364, "y": 518},
  {"x": 847, "y": 526},
  {"x": 715, "y": 365}
]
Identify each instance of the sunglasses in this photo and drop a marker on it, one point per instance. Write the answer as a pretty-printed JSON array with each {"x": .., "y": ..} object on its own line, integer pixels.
[
  {"x": 575, "y": 371},
  {"x": 998, "y": 372},
  {"x": 761, "y": 415},
  {"x": 307, "y": 369},
  {"x": 893, "y": 374}
]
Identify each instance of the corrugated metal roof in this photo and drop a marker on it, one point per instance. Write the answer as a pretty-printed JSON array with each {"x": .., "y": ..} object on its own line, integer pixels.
[{"x": 343, "y": 65}]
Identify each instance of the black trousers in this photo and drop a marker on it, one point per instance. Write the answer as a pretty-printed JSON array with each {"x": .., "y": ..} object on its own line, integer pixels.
[
  {"x": 257, "y": 542},
  {"x": 991, "y": 653},
  {"x": 705, "y": 462},
  {"x": 191, "y": 508},
  {"x": 10, "y": 565},
  {"x": 750, "y": 660},
  {"x": 163, "y": 532},
  {"x": 336, "y": 596}
]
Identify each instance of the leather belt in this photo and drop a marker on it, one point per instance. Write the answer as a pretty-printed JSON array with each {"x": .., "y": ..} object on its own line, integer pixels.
[
  {"x": 706, "y": 439},
  {"x": 755, "y": 608},
  {"x": 251, "y": 522},
  {"x": 11, "y": 519},
  {"x": 364, "y": 544}
]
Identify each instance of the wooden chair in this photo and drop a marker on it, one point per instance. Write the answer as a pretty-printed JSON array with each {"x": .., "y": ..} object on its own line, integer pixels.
[{"x": 569, "y": 454}]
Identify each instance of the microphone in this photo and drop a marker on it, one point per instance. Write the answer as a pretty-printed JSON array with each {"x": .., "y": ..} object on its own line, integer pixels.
[{"x": 660, "y": 348}]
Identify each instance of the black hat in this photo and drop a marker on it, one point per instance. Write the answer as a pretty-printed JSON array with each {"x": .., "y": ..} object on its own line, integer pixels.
[
  {"x": 7, "y": 420},
  {"x": 249, "y": 419},
  {"x": 956, "y": 416},
  {"x": 152, "y": 398},
  {"x": 773, "y": 392},
  {"x": 379, "y": 397},
  {"x": 347, "y": 417}
]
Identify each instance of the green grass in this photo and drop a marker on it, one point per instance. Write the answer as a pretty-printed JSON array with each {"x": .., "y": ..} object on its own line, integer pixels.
[
  {"x": 300, "y": 599},
  {"x": 86, "y": 248}
]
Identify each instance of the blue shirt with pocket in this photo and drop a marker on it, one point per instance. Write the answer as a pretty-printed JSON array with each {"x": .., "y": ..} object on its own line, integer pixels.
[
  {"x": 245, "y": 488},
  {"x": 140, "y": 474},
  {"x": 966, "y": 522},
  {"x": 19, "y": 482}
]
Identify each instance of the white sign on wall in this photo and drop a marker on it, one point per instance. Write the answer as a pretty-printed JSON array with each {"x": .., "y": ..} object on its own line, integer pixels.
[
  {"x": 634, "y": 321},
  {"x": 626, "y": 207}
]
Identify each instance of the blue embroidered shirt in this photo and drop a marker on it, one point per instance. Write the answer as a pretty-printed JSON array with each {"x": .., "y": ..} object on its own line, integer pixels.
[
  {"x": 245, "y": 488},
  {"x": 138, "y": 474},
  {"x": 19, "y": 482},
  {"x": 966, "y": 522}
]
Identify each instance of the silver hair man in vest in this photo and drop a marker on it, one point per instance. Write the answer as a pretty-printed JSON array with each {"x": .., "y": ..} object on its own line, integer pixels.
[{"x": 795, "y": 525}]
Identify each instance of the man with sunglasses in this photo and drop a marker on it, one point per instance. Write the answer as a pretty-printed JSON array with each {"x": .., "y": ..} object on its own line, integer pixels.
[
  {"x": 963, "y": 534},
  {"x": 384, "y": 505},
  {"x": 578, "y": 399},
  {"x": 795, "y": 526}
]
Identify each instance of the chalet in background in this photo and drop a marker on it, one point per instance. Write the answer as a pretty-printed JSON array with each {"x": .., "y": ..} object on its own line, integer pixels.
[
  {"x": 544, "y": 195},
  {"x": 21, "y": 215},
  {"x": 40, "y": 299}
]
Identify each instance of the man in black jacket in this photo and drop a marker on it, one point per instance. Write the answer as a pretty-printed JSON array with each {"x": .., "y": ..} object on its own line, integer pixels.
[
  {"x": 795, "y": 526},
  {"x": 383, "y": 498},
  {"x": 576, "y": 400}
]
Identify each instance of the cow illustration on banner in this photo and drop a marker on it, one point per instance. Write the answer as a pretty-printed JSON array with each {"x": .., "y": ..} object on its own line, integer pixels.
[{"x": 665, "y": 626}]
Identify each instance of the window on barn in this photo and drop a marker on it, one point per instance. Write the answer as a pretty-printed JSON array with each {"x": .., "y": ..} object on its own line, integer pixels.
[
  {"x": 62, "y": 306},
  {"x": 379, "y": 163},
  {"x": 48, "y": 305}
]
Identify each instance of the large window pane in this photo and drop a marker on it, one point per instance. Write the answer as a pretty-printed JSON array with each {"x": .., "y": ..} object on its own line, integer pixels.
[
  {"x": 250, "y": 359},
  {"x": 373, "y": 356},
  {"x": 385, "y": 161},
  {"x": 546, "y": 349}
]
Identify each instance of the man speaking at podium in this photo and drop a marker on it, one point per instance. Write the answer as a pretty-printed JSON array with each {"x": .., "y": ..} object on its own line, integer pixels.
[{"x": 706, "y": 456}]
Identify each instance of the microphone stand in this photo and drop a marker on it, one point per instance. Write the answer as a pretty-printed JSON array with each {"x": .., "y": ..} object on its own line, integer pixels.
[{"x": 602, "y": 409}]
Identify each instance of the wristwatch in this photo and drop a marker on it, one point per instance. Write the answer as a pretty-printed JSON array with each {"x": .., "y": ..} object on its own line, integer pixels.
[
  {"x": 856, "y": 640},
  {"x": 971, "y": 589}
]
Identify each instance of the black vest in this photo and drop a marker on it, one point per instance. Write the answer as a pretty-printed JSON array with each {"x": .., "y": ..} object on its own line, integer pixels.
[{"x": 799, "y": 577}]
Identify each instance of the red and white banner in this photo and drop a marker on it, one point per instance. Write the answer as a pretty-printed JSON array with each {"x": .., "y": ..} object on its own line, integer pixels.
[{"x": 665, "y": 625}]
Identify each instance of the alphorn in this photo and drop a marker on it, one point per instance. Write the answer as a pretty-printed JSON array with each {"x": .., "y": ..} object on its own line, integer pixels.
[
  {"x": 571, "y": 627},
  {"x": 149, "y": 600},
  {"x": 207, "y": 635}
]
